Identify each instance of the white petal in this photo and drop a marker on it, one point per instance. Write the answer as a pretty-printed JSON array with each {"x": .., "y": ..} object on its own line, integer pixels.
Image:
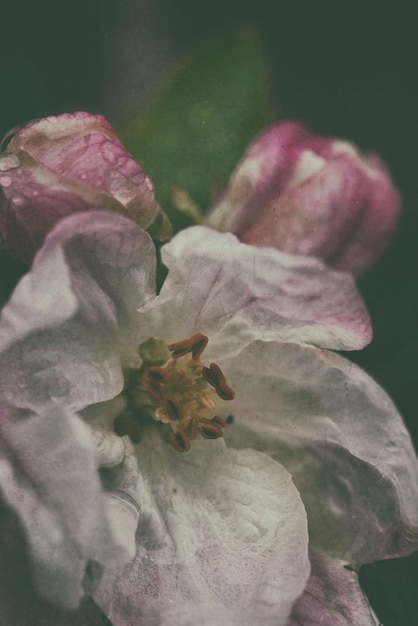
[
  {"x": 48, "y": 475},
  {"x": 72, "y": 319},
  {"x": 235, "y": 293},
  {"x": 228, "y": 543},
  {"x": 340, "y": 437},
  {"x": 20, "y": 604}
]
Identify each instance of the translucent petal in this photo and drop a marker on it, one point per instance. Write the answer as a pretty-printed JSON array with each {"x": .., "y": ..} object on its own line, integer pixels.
[
  {"x": 227, "y": 544},
  {"x": 235, "y": 293},
  {"x": 72, "y": 322},
  {"x": 340, "y": 437},
  {"x": 48, "y": 476}
]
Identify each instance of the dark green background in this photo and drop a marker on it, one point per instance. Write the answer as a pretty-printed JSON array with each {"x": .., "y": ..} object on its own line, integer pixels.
[{"x": 345, "y": 69}]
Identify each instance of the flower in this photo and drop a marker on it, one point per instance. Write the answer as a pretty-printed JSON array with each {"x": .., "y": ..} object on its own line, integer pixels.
[
  {"x": 58, "y": 165},
  {"x": 222, "y": 531},
  {"x": 305, "y": 194}
]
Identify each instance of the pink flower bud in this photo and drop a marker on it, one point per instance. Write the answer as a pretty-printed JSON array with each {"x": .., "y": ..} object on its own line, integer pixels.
[
  {"x": 58, "y": 165},
  {"x": 310, "y": 195}
]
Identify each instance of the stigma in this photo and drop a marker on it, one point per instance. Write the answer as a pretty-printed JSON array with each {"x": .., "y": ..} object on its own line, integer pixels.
[{"x": 182, "y": 392}]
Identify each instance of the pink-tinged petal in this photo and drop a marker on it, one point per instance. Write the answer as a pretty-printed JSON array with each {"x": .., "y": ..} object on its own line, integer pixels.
[
  {"x": 73, "y": 162},
  {"x": 332, "y": 597},
  {"x": 32, "y": 206},
  {"x": 311, "y": 216},
  {"x": 340, "y": 437},
  {"x": 228, "y": 544},
  {"x": 84, "y": 149},
  {"x": 267, "y": 168},
  {"x": 376, "y": 225},
  {"x": 310, "y": 195},
  {"x": 235, "y": 293},
  {"x": 72, "y": 321},
  {"x": 49, "y": 478}
]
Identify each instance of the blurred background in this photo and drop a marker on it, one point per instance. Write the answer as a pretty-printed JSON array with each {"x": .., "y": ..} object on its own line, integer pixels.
[{"x": 344, "y": 69}]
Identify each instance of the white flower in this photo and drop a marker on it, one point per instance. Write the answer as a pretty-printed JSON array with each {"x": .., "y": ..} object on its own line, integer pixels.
[{"x": 221, "y": 530}]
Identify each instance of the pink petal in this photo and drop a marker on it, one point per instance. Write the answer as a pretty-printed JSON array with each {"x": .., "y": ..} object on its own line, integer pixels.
[
  {"x": 58, "y": 165},
  {"x": 332, "y": 597},
  {"x": 310, "y": 195}
]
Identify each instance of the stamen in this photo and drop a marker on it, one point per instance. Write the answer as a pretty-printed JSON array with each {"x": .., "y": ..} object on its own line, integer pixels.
[
  {"x": 225, "y": 392},
  {"x": 175, "y": 393},
  {"x": 154, "y": 389},
  {"x": 217, "y": 419},
  {"x": 209, "y": 376},
  {"x": 217, "y": 372},
  {"x": 189, "y": 426},
  {"x": 195, "y": 345},
  {"x": 179, "y": 441},
  {"x": 201, "y": 341},
  {"x": 215, "y": 377},
  {"x": 157, "y": 374},
  {"x": 174, "y": 410},
  {"x": 209, "y": 429}
]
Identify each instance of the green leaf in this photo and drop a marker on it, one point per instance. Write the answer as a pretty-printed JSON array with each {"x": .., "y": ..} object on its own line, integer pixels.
[{"x": 199, "y": 124}]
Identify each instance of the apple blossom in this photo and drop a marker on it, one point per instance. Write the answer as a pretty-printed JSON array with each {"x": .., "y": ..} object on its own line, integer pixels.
[
  {"x": 311, "y": 195},
  {"x": 86, "y": 344},
  {"x": 58, "y": 165}
]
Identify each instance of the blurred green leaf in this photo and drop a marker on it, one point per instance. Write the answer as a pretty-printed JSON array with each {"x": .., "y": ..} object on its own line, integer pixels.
[{"x": 200, "y": 123}]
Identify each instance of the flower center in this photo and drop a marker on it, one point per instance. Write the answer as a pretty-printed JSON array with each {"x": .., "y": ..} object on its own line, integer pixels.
[{"x": 178, "y": 391}]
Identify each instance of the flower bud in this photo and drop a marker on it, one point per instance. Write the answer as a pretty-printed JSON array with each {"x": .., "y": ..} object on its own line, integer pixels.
[
  {"x": 58, "y": 165},
  {"x": 310, "y": 195}
]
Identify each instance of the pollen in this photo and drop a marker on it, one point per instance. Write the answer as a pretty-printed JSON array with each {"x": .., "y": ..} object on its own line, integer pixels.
[{"x": 180, "y": 391}]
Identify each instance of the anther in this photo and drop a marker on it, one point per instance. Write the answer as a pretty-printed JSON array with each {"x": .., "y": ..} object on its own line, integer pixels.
[
  {"x": 217, "y": 419},
  {"x": 157, "y": 374},
  {"x": 195, "y": 345},
  {"x": 209, "y": 429},
  {"x": 210, "y": 377},
  {"x": 179, "y": 441},
  {"x": 200, "y": 343},
  {"x": 225, "y": 392},
  {"x": 214, "y": 376},
  {"x": 189, "y": 426},
  {"x": 173, "y": 409},
  {"x": 154, "y": 389},
  {"x": 217, "y": 372}
]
